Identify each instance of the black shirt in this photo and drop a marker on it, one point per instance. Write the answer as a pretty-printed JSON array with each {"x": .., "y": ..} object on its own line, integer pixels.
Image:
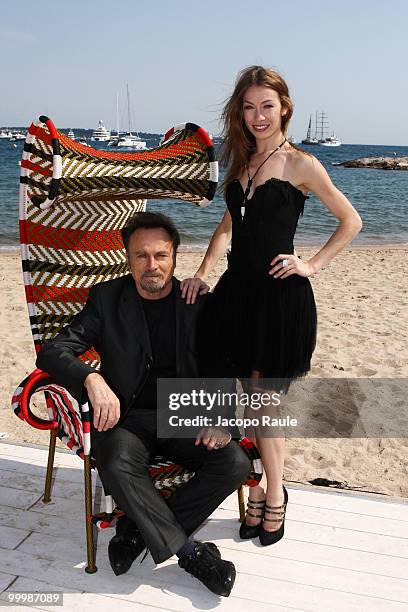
[{"x": 161, "y": 322}]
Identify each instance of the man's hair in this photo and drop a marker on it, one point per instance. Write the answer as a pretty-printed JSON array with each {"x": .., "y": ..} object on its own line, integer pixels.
[{"x": 149, "y": 220}]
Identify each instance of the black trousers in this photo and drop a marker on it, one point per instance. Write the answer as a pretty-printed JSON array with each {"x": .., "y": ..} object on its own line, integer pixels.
[{"x": 122, "y": 456}]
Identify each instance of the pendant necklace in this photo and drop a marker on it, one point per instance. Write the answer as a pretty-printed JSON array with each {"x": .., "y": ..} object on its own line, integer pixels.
[{"x": 251, "y": 179}]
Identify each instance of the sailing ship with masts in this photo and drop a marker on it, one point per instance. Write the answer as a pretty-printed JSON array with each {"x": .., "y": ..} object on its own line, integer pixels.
[
  {"x": 310, "y": 140},
  {"x": 320, "y": 134},
  {"x": 128, "y": 140}
]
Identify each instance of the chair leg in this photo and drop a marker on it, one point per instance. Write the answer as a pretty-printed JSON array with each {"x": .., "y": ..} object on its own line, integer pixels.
[
  {"x": 90, "y": 548},
  {"x": 241, "y": 503},
  {"x": 50, "y": 466}
]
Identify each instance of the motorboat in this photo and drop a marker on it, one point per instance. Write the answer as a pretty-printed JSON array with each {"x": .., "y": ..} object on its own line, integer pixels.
[
  {"x": 6, "y": 134},
  {"x": 18, "y": 136},
  {"x": 131, "y": 141}
]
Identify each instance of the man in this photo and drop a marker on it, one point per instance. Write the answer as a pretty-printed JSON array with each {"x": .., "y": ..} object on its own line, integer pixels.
[{"x": 143, "y": 330}]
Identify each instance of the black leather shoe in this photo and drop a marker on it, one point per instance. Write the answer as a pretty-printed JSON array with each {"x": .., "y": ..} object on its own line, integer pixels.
[
  {"x": 122, "y": 551},
  {"x": 215, "y": 573},
  {"x": 213, "y": 549}
]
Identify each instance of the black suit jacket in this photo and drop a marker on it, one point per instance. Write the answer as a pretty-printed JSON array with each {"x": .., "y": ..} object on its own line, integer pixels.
[{"x": 113, "y": 321}]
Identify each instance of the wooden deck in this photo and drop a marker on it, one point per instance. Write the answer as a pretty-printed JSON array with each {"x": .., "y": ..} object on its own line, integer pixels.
[{"x": 341, "y": 551}]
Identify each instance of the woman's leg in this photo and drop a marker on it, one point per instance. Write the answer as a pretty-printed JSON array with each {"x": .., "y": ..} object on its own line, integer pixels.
[{"x": 272, "y": 451}]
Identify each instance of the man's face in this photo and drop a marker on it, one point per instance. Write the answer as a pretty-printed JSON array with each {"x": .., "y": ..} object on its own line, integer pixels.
[{"x": 151, "y": 261}]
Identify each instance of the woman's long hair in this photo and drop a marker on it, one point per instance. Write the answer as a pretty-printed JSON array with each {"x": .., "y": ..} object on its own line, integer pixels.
[{"x": 238, "y": 142}]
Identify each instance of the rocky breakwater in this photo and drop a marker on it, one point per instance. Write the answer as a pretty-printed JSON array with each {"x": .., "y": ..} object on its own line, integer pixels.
[{"x": 383, "y": 163}]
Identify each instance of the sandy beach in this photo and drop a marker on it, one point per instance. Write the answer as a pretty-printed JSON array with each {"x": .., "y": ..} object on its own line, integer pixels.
[{"x": 363, "y": 329}]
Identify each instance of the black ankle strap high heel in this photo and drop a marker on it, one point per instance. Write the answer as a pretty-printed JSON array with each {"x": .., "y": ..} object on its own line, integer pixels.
[
  {"x": 247, "y": 532},
  {"x": 277, "y": 513}
]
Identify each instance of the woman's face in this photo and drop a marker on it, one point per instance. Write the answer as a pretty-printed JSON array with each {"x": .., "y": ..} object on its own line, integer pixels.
[{"x": 262, "y": 111}]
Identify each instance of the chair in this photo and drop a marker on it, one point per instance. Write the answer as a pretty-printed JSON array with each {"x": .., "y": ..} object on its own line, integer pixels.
[{"x": 73, "y": 202}]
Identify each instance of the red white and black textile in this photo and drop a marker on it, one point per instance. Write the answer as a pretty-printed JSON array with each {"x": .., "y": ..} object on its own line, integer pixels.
[{"x": 74, "y": 200}]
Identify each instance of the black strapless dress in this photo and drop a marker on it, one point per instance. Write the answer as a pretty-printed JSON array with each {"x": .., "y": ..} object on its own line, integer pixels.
[{"x": 259, "y": 322}]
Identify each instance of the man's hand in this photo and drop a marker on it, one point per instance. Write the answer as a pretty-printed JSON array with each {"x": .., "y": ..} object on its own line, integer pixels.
[
  {"x": 105, "y": 404},
  {"x": 213, "y": 437}
]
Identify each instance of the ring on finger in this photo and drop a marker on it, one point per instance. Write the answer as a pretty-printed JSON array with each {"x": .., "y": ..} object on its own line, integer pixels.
[{"x": 285, "y": 263}]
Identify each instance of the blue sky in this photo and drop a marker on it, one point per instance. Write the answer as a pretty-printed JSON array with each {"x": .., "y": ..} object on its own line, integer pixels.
[{"x": 180, "y": 58}]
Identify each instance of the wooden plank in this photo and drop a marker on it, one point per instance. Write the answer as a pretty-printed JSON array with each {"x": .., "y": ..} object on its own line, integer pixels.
[
  {"x": 6, "y": 579},
  {"x": 330, "y": 536},
  {"x": 15, "y": 450},
  {"x": 16, "y": 498},
  {"x": 36, "y": 482},
  {"x": 338, "y": 500},
  {"x": 43, "y": 523},
  {"x": 185, "y": 594},
  {"x": 348, "y": 520},
  {"x": 298, "y": 572},
  {"x": 173, "y": 590},
  {"x": 20, "y": 468},
  {"x": 11, "y": 537},
  {"x": 26, "y": 454},
  {"x": 59, "y": 507}
]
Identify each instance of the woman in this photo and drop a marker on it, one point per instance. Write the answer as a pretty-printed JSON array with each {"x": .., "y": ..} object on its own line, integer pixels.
[{"x": 263, "y": 310}]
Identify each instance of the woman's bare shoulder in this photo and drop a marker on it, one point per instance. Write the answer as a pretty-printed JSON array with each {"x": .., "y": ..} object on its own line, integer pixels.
[
  {"x": 305, "y": 164},
  {"x": 303, "y": 167}
]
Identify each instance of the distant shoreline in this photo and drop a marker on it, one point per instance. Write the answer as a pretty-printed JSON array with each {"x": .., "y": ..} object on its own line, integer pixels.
[
  {"x": 154, "y": 135},
  {"x": 185, "y": 248}
]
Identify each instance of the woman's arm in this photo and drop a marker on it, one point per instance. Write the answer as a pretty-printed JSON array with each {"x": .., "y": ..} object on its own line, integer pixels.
[
  {"x": 316, "y": 179},
  {"x": 219, "y": 242}
]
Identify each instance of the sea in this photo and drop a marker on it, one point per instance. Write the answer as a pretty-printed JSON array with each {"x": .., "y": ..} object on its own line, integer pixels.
[{"x": 380, "y": 196}]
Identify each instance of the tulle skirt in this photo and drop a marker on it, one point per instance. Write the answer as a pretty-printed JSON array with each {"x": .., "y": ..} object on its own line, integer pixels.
[{"x": 268, "y": 325}]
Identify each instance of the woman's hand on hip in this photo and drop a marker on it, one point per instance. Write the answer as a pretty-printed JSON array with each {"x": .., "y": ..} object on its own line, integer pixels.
[{"x": 284, "y": 265}]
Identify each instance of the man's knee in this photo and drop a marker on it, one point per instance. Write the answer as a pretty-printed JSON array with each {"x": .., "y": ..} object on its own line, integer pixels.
[
  {"x": 237, "y": 464},
  {"x": 119, "y": 452}
]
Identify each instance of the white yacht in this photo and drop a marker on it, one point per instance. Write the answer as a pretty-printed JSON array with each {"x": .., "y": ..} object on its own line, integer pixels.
[
  {"x": 101, "y": 134},
  {"x": 18, "y": 136},
  {"x": 331, "y": 141},
  {"x": 6, "y": 134},
  {"x": 131, "y": 141},
  {"x": 71, "y": 134}
]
